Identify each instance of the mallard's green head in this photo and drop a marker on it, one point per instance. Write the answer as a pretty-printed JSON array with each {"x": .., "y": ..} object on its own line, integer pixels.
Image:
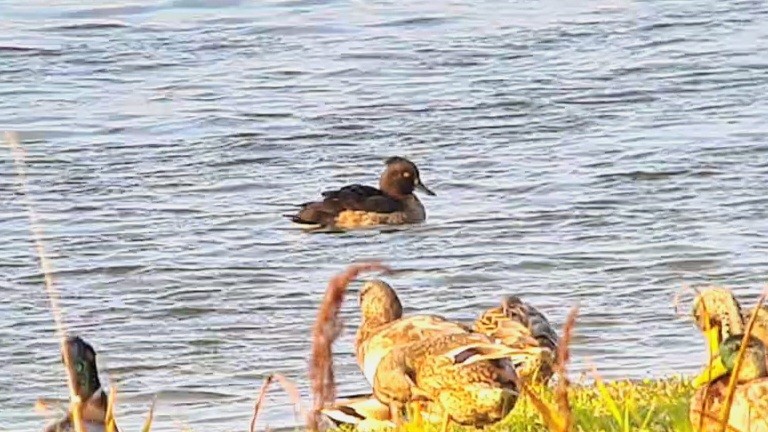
[
  {"x": 82, "y": 357},
  {"x": 752, "y": 365}
]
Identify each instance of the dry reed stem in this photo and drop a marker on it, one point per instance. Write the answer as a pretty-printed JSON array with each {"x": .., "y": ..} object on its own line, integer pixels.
[
  {"x": 46, "y": 407},
  {"x": 288, "y": 386},
  {"x": 327, "y": 328},
  {"x": 259, "y": 401},
  {"x": 19, "y": 160},
  {"x": 561, "y": 369},
  {"x": 676, "y": 301},
  {"x": 726, "y": 410},
  {"x": 293, "y": 393}
]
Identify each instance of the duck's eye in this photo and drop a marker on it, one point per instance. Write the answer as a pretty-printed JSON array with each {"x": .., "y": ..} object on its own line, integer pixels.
[
  {"x": 406, "y": 174},
  {"x": 79, "y": 367}
]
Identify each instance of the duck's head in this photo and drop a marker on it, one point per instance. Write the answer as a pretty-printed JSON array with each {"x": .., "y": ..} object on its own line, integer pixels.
[
  {"x": 82, "y": 358},
  {"x": 379, "y": 302},
  {"x": 401, "y": 178},
  {"x": 752, "y": 365},
  {"x": 718, "y": 315}
]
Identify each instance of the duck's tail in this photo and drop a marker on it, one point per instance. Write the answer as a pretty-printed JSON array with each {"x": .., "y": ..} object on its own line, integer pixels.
[
  {"x": 355, "y": 409},
  {"x": 475, "y": 352}
]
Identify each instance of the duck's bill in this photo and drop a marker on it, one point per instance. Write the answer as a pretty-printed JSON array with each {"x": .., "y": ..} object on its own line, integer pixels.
[
  {"x": 710, "y": 373},
  {"x": 713, "y": 340},
  {"x": 420, "y": 186}
]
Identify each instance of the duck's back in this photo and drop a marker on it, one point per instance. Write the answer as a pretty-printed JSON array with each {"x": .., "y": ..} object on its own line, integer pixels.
[
  {"x": 517, "y": 324},
  {"x": 401, "y": 332},
  {"x": 760, "y": 329},
  {"x": 351, "y": 205}
]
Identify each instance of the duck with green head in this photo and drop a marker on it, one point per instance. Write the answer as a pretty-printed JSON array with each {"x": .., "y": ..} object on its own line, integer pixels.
[
  {"x": 749, "y": 411},
  {"x": 82, "y": 358}
]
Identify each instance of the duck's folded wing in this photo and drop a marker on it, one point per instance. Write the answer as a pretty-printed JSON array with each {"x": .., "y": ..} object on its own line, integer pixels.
[
  {"x": 402, "y": 332},
  {"x": 362, "y": 198},
  {"x": 517, "y": 324},
  {"x": 349, "y": 198},
  {"x": 352, "y": 191}
]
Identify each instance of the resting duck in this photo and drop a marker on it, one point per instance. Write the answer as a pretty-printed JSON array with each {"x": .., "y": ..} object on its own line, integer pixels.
[
  {"x": 383, "y": 327},
  {"x": 749, "y": 411},
  {"x": 82, "y": 358},
  {"x": 520, "y": 325},
  {"x": 354, "y": 206},
  {"x": 469, "y": 378}
]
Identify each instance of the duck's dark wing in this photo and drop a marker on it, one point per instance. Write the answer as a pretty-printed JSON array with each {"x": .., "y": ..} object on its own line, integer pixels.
[
  {"x": 353, "y": 197},
  {"x": 354, "y": 191}
]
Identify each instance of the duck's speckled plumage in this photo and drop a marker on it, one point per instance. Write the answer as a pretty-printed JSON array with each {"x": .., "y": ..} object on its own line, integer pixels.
[
  {"x": 725, "y": 316},
  {"x": 749, "y": 410},
  {"x": 393, "y": 203},
  {"x": 468, "y": 376},
  {"x": 382, "y": 326},
  {"x": 520, "y": 325}
]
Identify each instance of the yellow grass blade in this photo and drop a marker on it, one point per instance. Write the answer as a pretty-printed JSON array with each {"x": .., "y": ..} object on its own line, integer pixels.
[
  {"x": 150, "y": 417},
  {"x": 605, "y": 396},
  {"x": 109, "y": 418}
]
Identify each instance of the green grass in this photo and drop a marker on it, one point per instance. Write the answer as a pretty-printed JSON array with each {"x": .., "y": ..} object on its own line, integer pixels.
[{"x": 616, "y": 406}]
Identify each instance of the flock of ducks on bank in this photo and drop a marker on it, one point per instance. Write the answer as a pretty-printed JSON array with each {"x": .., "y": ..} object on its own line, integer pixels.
[{"x": 446, "y": 371}]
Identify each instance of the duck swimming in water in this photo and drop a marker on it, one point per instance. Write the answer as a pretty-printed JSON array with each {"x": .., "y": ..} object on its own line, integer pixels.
[{"x": 354, "y": 206}]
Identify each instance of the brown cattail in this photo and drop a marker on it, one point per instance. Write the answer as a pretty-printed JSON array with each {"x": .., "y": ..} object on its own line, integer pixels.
[{"x": 327, "y": 328}]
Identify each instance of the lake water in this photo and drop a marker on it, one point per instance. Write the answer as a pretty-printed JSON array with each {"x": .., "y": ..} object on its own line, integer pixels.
[{"x": 600, "y": 152}]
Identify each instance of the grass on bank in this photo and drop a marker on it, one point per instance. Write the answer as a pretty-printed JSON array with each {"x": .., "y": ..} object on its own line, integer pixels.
[
  {"x": 616, "y": 406},
  {"x": 619, "y": 406}
]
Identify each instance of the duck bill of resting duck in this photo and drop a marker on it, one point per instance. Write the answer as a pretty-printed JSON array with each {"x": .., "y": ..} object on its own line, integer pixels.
[
  {"x": 87, "y": 386},
  {"x": 518, "y": 324},
  {"x": 469, "y": 378},
  {"x": 749, "y": 410},
  {"x": 356, "y": 205}
]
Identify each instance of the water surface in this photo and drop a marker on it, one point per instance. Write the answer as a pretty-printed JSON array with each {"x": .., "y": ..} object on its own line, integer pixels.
[{"x": 601, "y": 153}]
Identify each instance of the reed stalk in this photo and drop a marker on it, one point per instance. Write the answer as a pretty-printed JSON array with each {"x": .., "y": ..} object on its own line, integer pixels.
[{"x": 19, "y": 161}]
